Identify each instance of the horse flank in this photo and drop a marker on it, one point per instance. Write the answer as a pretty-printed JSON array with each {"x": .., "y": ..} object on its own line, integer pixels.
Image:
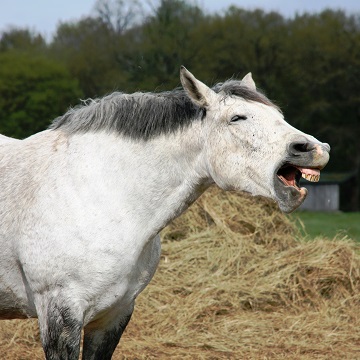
[{"x": 142, "y": 116}]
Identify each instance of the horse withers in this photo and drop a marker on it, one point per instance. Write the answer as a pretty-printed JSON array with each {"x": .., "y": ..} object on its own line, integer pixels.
[{"x": 82, "y": 203}]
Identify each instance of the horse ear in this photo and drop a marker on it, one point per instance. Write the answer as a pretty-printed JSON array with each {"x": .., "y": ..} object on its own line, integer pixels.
[
  {"x": 198, "y": 92},
  {"x": 249, "y": 82}
]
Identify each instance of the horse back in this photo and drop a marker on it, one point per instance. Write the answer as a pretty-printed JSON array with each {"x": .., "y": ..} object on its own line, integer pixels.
[{"x": 5, "y": 139}]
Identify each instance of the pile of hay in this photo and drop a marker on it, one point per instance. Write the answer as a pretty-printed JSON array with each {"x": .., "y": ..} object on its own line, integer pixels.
[{"x": 236, "y": 281}]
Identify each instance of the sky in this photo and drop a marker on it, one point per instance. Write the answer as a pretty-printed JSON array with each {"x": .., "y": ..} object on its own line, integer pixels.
[{"x": 43, "y": 16}]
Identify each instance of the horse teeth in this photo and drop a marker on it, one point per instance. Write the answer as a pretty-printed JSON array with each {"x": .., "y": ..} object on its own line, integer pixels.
[{"x": 312, "y": 178}]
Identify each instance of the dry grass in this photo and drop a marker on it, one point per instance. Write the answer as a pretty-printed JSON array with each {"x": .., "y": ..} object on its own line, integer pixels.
[{"x": 236, "y": 282}]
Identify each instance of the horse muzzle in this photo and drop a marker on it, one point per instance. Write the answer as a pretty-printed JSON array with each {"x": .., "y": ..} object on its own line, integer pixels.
[{"x": 304, "y": 159}]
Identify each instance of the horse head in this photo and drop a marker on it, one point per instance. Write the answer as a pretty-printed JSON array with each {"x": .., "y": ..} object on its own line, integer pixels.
[{"x": 250, "y": 147}]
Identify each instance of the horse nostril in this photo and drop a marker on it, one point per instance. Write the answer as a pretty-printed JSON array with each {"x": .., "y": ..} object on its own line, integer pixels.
[{"x": 297, "y": 148}]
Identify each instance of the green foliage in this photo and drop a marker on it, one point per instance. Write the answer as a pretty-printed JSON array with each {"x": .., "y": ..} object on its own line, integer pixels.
[
  {"x": 243, "y": 41},
  {"x": 87, "y": 50},
  {"x": 310, "y": 64},
  {"x": 166, "y": 40},
  {"x": 33, "y": 91},
  {"x": 22, "y": 39},
  {"x": 323, "y": 79}
]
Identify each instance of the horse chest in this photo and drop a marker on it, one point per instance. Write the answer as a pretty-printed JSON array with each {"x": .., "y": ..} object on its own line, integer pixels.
[{"x": 125, "y": 286}]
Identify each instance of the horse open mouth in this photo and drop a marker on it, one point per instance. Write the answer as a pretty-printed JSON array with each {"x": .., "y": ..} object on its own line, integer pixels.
[{"x": 290, "y": 175}]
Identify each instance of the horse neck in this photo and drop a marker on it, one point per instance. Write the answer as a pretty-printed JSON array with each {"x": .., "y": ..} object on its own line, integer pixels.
[{"x": 152, "y": 180}]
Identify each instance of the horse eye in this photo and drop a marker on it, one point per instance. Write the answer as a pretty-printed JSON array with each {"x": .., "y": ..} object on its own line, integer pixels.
[{"x": 238, "y": 118}]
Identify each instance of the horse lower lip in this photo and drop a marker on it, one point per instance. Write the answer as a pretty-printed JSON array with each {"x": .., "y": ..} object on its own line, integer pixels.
[{"x": 289, "y": 193}]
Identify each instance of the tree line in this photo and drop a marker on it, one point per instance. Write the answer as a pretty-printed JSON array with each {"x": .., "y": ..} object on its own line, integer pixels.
[{"x": 309, "y": 64}]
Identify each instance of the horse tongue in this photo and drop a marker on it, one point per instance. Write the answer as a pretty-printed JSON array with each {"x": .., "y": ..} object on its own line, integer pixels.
[{"x": 310, "y": 174}]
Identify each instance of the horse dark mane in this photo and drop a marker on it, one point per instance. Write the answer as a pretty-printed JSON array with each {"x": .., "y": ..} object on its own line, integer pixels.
[{"x": 145, "y": 115}]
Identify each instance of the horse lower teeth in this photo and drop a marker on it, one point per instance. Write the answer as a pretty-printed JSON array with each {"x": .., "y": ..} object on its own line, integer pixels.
[{"x": 312, "y": 178}]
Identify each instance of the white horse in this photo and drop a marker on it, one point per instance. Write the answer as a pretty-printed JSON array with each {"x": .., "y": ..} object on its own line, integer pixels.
[{"x": 82, "y": 203}]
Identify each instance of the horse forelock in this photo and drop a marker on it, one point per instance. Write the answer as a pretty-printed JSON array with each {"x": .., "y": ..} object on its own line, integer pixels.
[{"x": 144, "y": 115}]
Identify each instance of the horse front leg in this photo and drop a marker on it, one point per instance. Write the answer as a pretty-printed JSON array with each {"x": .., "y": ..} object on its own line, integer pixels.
[
  {"x": 60, "y": 329},
  {"x": 102, "y": 336}
]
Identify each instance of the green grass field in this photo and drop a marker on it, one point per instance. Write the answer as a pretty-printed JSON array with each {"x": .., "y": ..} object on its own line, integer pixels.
[{"x": 329, "y": 224}]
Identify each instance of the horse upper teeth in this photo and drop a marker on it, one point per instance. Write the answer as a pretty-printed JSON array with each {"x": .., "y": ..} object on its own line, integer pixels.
[{"x": 312, "y": 178}]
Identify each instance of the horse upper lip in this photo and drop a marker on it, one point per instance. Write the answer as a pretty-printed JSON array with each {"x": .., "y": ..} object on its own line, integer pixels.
[{"x": 310, "y": 174}]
